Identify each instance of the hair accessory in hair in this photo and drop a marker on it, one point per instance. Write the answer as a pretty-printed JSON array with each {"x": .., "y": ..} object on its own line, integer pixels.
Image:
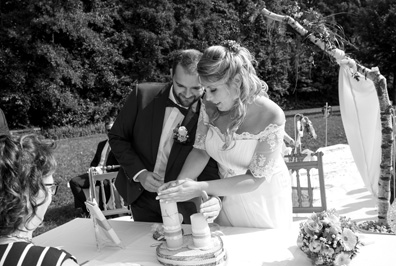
[{"x": 231, "y": 45}]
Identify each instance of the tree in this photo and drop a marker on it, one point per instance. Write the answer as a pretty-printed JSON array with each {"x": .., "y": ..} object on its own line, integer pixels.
[
  {"x": 376, "y": 38},
  {"x": 66, "y": 59},
  {"x": 149, "y": 25},
  {"x": 67, "y": 62}
]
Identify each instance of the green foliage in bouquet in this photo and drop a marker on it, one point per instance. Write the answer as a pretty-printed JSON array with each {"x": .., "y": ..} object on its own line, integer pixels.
[{"x": 328, "y": 239}]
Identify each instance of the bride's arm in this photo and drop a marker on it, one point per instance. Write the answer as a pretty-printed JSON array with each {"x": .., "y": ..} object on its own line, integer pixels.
[
  {"x": 195, "y": 163},
  {"x": 188, "y": 189},
  {"x": 263, "y": 163},
  {"x": 192, "y": 168},
  {"x": 231, "y": 186}
]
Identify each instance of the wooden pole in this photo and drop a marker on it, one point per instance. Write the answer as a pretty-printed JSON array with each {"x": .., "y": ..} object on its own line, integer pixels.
[{"x": 386, "y": 109}]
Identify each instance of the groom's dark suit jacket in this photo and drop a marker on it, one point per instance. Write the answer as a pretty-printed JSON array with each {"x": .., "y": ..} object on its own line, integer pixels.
[{"x": 135, "y": 137}]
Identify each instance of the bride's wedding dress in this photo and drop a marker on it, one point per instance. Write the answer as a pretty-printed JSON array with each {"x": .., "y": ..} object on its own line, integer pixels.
[{"x": 270, "y": 205}]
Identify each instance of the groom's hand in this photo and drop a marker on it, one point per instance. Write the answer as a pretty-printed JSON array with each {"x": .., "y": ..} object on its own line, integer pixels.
[
  {"x": 211, "y": 208},
  {"x": 150, "y": 181}
]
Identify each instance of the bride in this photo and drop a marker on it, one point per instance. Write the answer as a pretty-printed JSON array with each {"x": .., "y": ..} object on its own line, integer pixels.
[{"x": 243, "y": 131}]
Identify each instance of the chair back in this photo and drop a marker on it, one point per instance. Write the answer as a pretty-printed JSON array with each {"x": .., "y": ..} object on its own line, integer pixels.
[
  {"x": 115, "y": 204},
  {"x": 306, "y": 184}
]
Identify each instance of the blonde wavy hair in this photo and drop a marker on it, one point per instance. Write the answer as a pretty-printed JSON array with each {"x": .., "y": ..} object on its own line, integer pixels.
[{"x": 222, "y": 63}]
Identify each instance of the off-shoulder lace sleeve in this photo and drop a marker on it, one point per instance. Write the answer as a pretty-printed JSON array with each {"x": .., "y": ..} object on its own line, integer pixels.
[
  {"x": 202, "y": 128},
  {"x": 268, "y": 150}
]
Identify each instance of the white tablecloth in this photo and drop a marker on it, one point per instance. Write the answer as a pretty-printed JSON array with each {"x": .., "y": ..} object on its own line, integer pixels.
[{"x": 245, "y": 246}]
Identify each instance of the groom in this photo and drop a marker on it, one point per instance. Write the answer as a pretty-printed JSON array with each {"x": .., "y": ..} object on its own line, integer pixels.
[{"x": 145, "y": 143}]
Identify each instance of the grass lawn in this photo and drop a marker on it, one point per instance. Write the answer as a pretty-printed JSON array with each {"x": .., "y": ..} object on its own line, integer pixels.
[{"x": 74, "y": 156}]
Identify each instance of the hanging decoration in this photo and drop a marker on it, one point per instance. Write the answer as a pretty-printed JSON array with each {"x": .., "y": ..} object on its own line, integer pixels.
[{"x": 320, "y": 37}]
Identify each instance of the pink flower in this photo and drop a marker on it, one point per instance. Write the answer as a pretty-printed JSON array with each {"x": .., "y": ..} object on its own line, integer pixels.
[
  {"x": 300, "y": 242},
  {"x": 312, "y": 226},
  {"x": 342, "y": 259},
  {"x": 332, "y": 219},
  {"x": 315, "y": 246},
  {"x": 314, "y": 217},
  {"x": 327, "y": 251},
  {"x": 319, "y": 260},
  {"x": 349, "y": 239}
]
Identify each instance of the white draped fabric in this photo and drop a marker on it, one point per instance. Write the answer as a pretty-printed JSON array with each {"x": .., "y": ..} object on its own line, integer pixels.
[{"x": 360, "y": 115}]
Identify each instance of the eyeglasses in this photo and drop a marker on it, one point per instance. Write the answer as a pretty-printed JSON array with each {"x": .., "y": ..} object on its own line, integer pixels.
[{"x": 52, "y": 188}]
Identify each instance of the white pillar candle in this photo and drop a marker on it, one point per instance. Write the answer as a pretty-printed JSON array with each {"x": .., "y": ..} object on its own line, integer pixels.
[
  {"x": 172, "y": 225},
  {"x": 200, "y": 231}
]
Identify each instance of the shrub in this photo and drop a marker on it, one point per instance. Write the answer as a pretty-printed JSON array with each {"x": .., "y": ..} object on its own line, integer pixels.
[{"x": 73, "y": 132}]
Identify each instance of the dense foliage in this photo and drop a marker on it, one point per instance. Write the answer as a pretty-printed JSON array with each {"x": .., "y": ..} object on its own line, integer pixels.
[{"x": 67, "y": 62}]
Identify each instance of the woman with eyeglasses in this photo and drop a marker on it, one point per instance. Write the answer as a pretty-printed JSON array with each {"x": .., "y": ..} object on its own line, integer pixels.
[
  {"x": 26, "y": 190},
  {"x": 27, "y": 185}
]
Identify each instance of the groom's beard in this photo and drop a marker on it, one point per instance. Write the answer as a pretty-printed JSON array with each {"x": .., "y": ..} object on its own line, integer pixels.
[{"x": 185, "y": 102}]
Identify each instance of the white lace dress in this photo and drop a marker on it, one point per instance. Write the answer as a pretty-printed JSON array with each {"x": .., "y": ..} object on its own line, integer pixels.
[{"x": 270, "y": 205}]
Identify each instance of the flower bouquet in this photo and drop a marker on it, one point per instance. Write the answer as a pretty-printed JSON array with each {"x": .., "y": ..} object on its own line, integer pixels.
[{"x": 328, "y": 239}]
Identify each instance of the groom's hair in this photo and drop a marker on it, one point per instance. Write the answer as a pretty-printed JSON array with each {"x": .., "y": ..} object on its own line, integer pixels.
[{"x": 188, "y": 59}]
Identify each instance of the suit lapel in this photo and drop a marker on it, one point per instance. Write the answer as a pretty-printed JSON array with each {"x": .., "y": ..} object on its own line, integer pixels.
[
  {"x": 159, "y": 106},
  {"x": 189, "y": 123}
]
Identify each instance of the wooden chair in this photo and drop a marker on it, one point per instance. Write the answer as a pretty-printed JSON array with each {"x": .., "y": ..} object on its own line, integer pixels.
[
  {"x": 115, "y": 204},
  {"x": 301, "y": 173}
]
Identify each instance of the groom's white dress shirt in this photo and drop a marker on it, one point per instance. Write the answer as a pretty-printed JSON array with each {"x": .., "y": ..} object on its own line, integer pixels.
[{"x": 172, "y": 118}]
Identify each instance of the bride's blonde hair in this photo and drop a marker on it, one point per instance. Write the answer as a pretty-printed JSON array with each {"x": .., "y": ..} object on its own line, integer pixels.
[{"x": 222, "y": 63}]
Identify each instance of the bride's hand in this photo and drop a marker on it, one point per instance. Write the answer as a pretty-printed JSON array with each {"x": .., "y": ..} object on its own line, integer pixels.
[
  {"x": 179, "y": 190},
  {"x": 170, "y": 184}
]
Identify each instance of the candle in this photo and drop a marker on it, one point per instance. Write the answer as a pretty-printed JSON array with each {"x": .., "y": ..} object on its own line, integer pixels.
[
  {"x": 200, "y": 231},
  {"x": 172, "y": 225}
]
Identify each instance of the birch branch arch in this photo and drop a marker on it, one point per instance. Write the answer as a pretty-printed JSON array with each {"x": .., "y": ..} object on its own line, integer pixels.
[{"x": 386, "y": 109}]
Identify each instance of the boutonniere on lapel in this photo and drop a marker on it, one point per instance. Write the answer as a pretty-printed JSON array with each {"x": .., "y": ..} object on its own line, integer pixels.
[{"x": 180, "y": 134}]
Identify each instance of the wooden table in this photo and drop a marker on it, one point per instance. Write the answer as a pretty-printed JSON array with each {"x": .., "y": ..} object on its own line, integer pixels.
[{"x": 245, "y": 246}]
